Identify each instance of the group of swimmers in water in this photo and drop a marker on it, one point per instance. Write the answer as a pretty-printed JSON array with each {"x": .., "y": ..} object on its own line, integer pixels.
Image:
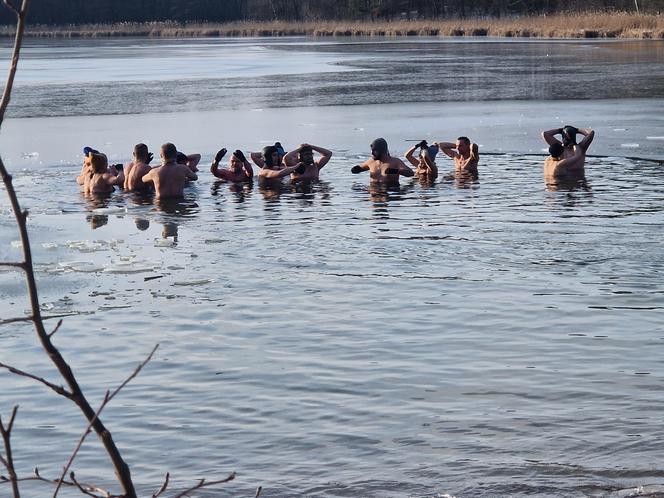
[{"x": 566, "y": 161}]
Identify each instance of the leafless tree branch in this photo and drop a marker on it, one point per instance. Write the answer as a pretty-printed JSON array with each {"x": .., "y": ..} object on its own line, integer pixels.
[
  {"x": 83, "y": 489},
  {"x": 40, "y": 478},
  {"x": 8, "y": 462},
  {"x": 107, "y": 398},
  {"x": 163, "y": 486},
  {"x": 12, "y": 263},
  {"x": 204, "y": 484},
  {"x": 58, "y": 389},
  {"x": 57, "y": 327},
  {"x": 11, "y": 5}
]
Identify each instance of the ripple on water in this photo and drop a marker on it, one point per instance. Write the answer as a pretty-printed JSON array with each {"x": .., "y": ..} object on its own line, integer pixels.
[{"x": 345, "y": 340}]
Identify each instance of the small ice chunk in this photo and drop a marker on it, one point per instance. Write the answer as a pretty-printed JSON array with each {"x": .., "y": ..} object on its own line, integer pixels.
[
  {"x": 109, "y": 210},
  {"x": 164, "y": 242},
  {"x": 29, "y": 155},
  {"x": 202, "y": 281},
  {"x": 654, "y": 138},
  {"x": 49, "y": 245},
  {"x": 17, "y": 244},
  {"x": 630, "y": 146},
  {"x": 620, "y": 129}
]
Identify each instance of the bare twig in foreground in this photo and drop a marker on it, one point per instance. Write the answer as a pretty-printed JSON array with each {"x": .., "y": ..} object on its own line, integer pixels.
[
  {"x": 107, "y": 398},
  {"x": 204, "y": 484},
  {"x": 8, "y": 462}
]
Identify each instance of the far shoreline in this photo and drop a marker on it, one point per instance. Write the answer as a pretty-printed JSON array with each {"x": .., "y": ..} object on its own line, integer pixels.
[{"x": 588, "y": 25}]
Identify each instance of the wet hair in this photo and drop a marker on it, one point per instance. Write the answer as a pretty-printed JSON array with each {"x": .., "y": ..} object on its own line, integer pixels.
[
  {"x": 556, "y": 150},
  {"x": 169, "y": 151},
  {"x": 465, "y": 140},
  {"x": 141, "y": 152},
  {"x": 379, "y": 147},
  {"x": 99, "y": 162},
  {"x": 267, "y": 155}
]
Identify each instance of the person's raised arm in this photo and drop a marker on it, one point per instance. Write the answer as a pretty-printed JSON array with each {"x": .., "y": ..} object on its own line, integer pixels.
[
  {"x": 245, "y": 164},
  {"x": 448, "y": 148},
  {"x": 291, "y": 157},
  {"x": 214, "y": 168},
  {"x": 431, "y": 164},
  {"x": 588, "y": 136},
  {"x": 474, "y": 151},
  {"x": 409, "y": 156},
  {"x": 192, "y": 161},
  {"x": 549, "y": 136},
  {"x": 325, "y": 155},
  {"x": 257, "y": 158}
]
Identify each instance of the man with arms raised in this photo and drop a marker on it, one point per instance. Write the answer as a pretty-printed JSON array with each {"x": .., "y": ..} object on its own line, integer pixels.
[
  {"x": 272, "y": 169},
  {"x": 170, "y": 177},
  {"x": 138, "y": 168},
  {"x": 239, "y": 169},
  {"x": 304, "y": 154},
  {"x": 382, "y": 167},
  {"x": 567, "y": 159},
  {"x": 465, "y": 154}
]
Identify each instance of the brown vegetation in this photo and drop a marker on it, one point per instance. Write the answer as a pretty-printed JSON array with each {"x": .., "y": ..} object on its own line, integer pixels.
[{"x": 570, "y": 25}]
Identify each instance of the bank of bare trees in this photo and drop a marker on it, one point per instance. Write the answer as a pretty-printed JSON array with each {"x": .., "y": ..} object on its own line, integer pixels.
[{"x": 114, "y": 11}]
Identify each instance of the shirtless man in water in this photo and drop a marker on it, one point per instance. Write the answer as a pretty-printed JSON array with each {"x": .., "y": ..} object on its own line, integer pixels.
[
  {"x": 304, "y": 154},
  {"x": 239, "y": 169},
  {"x": 138, "y": 168},
  {"x": 382, "y": 167},
  {"x": 272, "y": 168},
  {"x": 567, "y": 159},
  {"x": 170, "y": 177},
  {"x": 465, "y": 154}
]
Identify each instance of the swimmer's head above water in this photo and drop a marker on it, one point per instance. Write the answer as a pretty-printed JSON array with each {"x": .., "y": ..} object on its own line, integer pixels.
[
  {"x": 306, "y": 155},
  {"x": 270, "y": 155},
  {"x": 379, "y": 148},
  {"x": 556, "y": 150}
]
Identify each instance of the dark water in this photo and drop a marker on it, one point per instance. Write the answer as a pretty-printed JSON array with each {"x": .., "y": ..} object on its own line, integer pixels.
[
  {"x": 66, "y": 78},
  {"x": 459, "y": 339}
]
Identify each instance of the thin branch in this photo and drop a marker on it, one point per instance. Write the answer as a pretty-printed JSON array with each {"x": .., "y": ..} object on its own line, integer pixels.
[
  {"x": 6, "y": 433},
  {"x": 38, "y": 477},
  {"x": 83, "y": 490},
  {"x": 32, "y": 319},
  {"x": 204, "y": 484},
  {"x": 11, "y": 5},
  {"x": 107, "y": 398},
  {"x": 163, "y": 486},
  {"x": 13, "y": 263},
  {"x": 57, "y": 327},
  {"x": 58, "y": 389}
]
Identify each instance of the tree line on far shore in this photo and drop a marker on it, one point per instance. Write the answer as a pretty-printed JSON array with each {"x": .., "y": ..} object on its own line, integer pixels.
[{"x": 64, "y": 12}]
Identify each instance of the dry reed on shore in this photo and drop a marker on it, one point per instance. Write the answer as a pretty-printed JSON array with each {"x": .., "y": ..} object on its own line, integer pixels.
[{"x": 568, "y": 25}]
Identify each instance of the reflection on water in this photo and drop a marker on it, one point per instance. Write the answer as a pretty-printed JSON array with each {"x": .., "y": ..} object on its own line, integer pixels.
[{"x": 410, "y": 340}]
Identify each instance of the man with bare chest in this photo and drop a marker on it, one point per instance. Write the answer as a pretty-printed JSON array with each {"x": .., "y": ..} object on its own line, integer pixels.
[
  {"x": 169, "y": 178},
  {"x": 239, "y": 169},
  {"x": 304, "y": 155},
  {"x": 382, "y": 167},
  {"x": 465, "y": 154}
]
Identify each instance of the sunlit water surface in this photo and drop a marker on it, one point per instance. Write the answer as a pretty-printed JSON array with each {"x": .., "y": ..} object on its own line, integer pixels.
[{"x": 494, "y": 338}]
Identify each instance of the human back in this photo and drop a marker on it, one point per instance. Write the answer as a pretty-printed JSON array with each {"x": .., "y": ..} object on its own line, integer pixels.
[
  {"x": 169, "y": 178},
  {"x": 136, "y": 170}
]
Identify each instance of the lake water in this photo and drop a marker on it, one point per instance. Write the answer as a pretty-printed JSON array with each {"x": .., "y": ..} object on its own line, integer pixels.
[{"x": 484, "y": 339}]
